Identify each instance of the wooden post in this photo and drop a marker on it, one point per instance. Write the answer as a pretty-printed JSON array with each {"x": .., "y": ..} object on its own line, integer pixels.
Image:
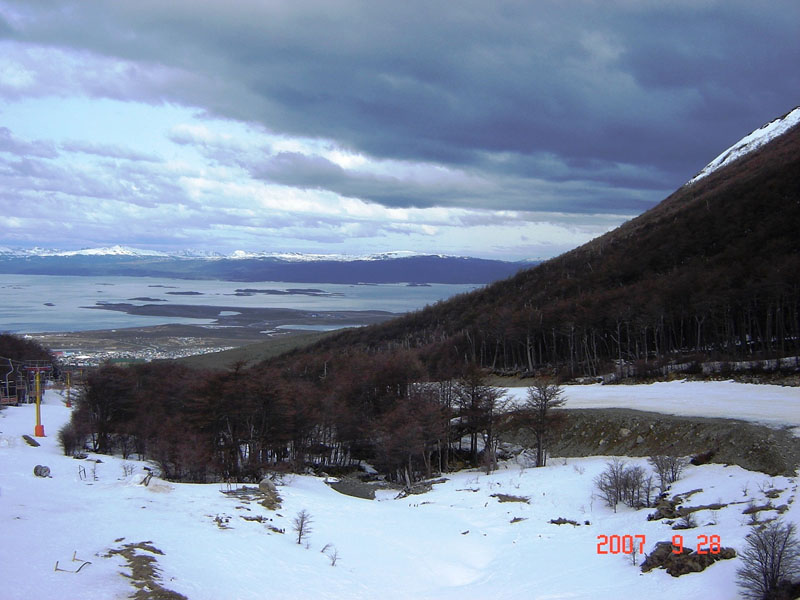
[{"x": 69, "y": 403}]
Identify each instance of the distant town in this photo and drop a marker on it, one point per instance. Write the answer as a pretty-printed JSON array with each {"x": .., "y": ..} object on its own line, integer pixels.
[{"x": 93, "y": 358}]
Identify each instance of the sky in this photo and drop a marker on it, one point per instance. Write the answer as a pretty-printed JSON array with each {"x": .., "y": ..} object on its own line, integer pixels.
[{"x": 507, "y": 130}]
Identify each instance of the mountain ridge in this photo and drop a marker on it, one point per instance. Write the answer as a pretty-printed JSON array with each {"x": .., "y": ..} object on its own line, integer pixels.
[
  {"x": 751, "y": 142},
  {"x": 131, "y": 251},
  {"x": 710, "y": 270},
  {"x": 392, "y": 267}
]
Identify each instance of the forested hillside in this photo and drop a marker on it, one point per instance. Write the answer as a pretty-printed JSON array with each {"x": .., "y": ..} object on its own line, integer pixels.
[
  {"x": 711, "y": 271},
  {"x": 20, "y": 350}
]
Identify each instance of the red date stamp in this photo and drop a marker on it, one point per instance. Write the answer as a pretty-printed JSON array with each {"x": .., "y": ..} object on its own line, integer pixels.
[
  {"x": 630, "y": 544},
  {"x": 706, "y": 544},
  {"x": 616, "y": 544}
]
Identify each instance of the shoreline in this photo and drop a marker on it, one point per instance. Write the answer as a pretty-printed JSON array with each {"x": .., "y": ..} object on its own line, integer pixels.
[{"x": 223, "y": 328}]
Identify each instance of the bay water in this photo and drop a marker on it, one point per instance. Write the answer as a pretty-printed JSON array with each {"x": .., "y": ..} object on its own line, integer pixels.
[{"x": 52, "y": 303}]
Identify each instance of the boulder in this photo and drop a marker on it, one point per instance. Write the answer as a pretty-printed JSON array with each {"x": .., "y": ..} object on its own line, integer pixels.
[
  {"x": 41, "y": 471},
  {"x": 267, "y": 486}
]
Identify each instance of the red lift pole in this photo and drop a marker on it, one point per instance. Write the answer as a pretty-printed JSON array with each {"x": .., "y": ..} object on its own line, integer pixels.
[{"x": 38, "y": 431}]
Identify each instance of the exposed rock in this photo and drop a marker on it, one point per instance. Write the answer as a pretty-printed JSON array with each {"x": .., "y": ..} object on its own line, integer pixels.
[
  {"x": 687, "y": 561},
  {"x": 563, "y": 521},
  {"x": 267, "y": 486},
  {"x": 665, "y": 509},
  {"x": 41, "y": 471},
  {"x": 704, "y": 457}
]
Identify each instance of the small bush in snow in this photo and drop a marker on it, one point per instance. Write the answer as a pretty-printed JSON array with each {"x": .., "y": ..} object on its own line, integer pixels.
[
  {"x": 619, "y": 483},
  {"x": 302, "y": 525},
  {"x": 70, "y": 439},
  {"x": 332, "y": 553}
]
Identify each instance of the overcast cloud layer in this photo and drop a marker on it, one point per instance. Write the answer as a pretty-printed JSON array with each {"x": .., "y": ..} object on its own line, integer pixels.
[{"x": 508, "y": 130}]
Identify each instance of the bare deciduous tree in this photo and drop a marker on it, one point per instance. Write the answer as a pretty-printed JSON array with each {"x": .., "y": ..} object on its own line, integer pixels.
[
  {"x": 668, "y": 467},
  {"x": 610, "y": 482},
  {"x": 478, "y": 406},
  {"x": 302, "y": 525},
  {"x": 543, "y": 397},
  {"x": 621, "y": 483},
  {"x": 771, "y": 562}
]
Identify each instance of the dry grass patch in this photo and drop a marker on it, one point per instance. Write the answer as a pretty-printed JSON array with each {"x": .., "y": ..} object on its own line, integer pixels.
[
  {"x": 510, "y": 498},
  {"x": 145, "y": 574}
]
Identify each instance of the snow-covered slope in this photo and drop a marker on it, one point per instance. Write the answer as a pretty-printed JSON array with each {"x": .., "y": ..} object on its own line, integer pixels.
[
  {"x": 751, "y": 142},
  {"x": 458, "y": 541},
  {"x": 778, "y": 406}
]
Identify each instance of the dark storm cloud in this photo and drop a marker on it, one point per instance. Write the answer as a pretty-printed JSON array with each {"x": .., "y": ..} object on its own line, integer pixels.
[
  {"x": 518, "y": 193},
  {"x": 632, "y": 96}
]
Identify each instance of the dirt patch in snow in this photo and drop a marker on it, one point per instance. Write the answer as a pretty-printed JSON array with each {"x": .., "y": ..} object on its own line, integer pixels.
[
  {"x": 145, "y": 574},
  {"x": 510, "y": 498},
  {"x": 353, "y": 486}
]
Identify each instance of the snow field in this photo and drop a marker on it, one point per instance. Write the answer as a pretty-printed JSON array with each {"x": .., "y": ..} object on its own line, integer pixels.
[
  {"x": 771, "y": 405},
  {"x": 457, "y": 541}
]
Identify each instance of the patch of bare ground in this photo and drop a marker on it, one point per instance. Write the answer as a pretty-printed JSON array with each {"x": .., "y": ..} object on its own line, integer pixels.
[
  {"x": 664, "y": 556},
  {"x": 510, "y": 498},
  {"x": 355, "y": 487},
  {"x": 270, "y": 500},
  {"x": 626, "y": 432},
  {"x": 145, "y": 574}
]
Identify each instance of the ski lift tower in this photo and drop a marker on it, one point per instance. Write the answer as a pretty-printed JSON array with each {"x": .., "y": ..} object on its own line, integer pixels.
[
  {"x": 36, "y": 368},
  {"x": 8, "y": 383}
]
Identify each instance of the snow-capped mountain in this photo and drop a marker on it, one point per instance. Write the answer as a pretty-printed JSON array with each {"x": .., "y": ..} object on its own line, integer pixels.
[
  {"x": 387, "y": 267},
  {"x": 751, "y": 142},
  {"x": 116, "y": 250},
  {"x": 129, "y": 251},
  {"x": 111, "y": 251},
  {"x": 303, "y": 257},
  {"x": 5, "y": 251}
]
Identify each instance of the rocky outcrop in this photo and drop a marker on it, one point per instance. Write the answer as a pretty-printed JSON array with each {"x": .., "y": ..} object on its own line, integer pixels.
[{"x": 688, "y": 561}]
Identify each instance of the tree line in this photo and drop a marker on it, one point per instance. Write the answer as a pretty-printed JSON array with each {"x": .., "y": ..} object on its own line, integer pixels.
[{"x": 328, "y": 412}]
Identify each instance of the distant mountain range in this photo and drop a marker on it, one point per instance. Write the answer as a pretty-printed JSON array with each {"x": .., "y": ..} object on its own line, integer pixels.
[
  {"x": 129, "y": 251},
  {"x": 387, "y": 267}
]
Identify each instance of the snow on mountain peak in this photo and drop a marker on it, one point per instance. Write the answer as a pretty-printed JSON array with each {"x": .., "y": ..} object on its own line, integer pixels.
[
  {"x": 112, "y": 251},
  {"x": 302, "y": 257},
  {"x": 128, "y": 251},
  {"x": 751, "y": 142}
]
